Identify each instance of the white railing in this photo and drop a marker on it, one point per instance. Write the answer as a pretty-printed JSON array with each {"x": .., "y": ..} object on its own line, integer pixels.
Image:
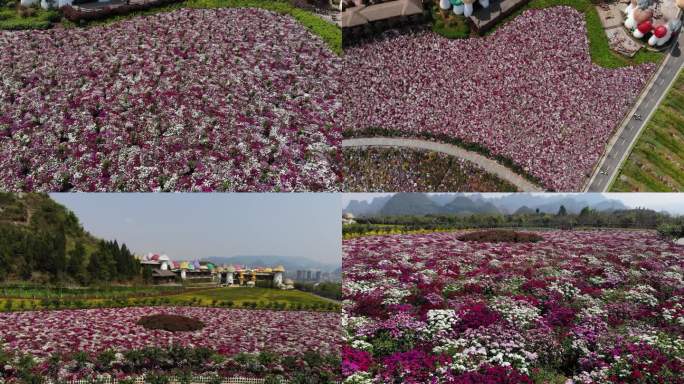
[
  {"x": 176, "y": 380},
  {"x": 193, "y": 380}
]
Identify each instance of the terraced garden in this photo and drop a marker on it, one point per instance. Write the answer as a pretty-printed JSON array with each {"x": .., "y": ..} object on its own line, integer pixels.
[{"x": 656, "y": 163}]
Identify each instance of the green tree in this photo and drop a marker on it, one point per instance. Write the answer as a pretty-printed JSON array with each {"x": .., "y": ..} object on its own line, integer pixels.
[
  {"x": 59, "y": 258},
  {"x": 76, "y": 267},
  {"x": 147, "y": 274},
  {"x": 562, "y": 211}
]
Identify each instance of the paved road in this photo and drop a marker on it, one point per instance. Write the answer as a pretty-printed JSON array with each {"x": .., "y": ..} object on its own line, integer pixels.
[
  {"x": 622, "y": 142},
  {"x": 488, "y": 165}
]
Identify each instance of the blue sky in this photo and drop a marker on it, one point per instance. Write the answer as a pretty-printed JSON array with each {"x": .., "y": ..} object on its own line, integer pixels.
[
  {"x": 190, "y": 225},
  {"x": 671, "y": 202}
]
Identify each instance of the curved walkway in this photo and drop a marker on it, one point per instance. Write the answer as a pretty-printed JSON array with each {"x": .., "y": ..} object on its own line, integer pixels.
[{"x": 488, "y": 165}]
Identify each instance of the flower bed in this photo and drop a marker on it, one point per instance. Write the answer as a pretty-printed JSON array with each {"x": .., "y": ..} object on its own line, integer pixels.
[
  {"x": 228, "y": 331},
  {"x": 174, "y": 364},
  {"x": 603, "y": 306},
  {"x": 227, "y": 99},
  {"x": 408, "y": 170},
  {"x": 528, "y": 93}
]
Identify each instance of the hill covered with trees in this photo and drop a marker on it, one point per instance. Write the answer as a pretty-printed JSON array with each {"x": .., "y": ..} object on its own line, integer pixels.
[{"x": 42, "y": 241}]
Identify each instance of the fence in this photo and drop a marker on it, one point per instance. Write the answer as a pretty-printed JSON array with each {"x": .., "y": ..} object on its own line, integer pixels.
[
  {"x": 175, "y": 380},
  {"x": 192, "y": 380}
]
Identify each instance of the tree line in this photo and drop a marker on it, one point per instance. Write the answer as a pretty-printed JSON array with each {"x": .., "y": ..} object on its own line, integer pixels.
[
  {"x": 43, "y": 255},
  {"x": 639, "y": 218}
]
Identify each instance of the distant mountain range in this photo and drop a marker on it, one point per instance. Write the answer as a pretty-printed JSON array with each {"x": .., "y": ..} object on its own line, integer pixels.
[
  {"x": 291, "y": 263},
  {"x": 424, "y": 204},
  {"x": 365, "y": 208}
]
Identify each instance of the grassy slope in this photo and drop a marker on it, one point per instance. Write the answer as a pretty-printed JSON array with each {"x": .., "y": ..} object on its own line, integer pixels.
[
  {"x": 601, "y": 54},
  {"x": 330, "y": 33},
  {"x": 656, "y": 162}
]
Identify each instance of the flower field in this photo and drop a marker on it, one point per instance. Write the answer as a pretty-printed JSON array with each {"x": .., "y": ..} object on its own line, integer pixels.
[
  {"x": 529, "y": 93},
  {"x": 408, "y": 170},
  {"x": 228, "y": 331},
  {"x": 602, "y": 306},
  {"x": 224, "y": 99}
]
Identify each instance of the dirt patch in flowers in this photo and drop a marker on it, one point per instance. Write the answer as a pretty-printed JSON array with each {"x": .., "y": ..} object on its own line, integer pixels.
[
  {"x": 172, "y": 323},
  {"x": 499, "y": 236}
]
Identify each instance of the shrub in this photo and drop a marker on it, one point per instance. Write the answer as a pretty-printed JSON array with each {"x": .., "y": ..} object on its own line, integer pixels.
[
  {"x": 53, "y": 16},
  {"x": 156, "y": 379},
  {"x": 501, "y": 236},
  {"x": 26, "y": 12},
  {"x": 171, "y": 323}
]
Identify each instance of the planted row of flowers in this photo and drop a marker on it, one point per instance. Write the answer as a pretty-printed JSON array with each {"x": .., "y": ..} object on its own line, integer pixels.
[
  {"x": 166, "y": 364},
  {"x": 602, "y": 306},
  {"x": 202, "y": 99},
  {"x": 408, "y": 170},
  {"x": 529, "y": 93},
  {"x": 227, "y": 331}
]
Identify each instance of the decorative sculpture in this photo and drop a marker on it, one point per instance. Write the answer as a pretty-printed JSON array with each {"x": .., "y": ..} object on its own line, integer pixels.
[
  {"x": 642, "y": 29},
  {"x": 464, "y": 7},
  {"x": 638, "y": 13},
  {"x": 663, "y": 33}
]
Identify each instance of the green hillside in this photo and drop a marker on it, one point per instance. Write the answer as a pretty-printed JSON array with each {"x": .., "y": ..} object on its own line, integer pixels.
[
  {"x": 656, "y": 163},
  {"x": 43, "y": 242}
]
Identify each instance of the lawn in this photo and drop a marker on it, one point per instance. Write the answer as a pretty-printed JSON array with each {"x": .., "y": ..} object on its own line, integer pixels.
[
  {"x": 601, "y": 54},
  {"x": 242, "y": 295},
  {"x": 212, "y": 297},
  {"x": 23, "y": 290},
  {"x": 453, "y": 27},
  {"x": 656, "y": 163},
  {"x": 11, "y": 19}
]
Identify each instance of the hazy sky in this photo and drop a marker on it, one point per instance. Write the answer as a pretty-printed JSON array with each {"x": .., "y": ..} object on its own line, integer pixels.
[
  {"x": 196, "y": 225},
  {"x": 671, "y": 202}
]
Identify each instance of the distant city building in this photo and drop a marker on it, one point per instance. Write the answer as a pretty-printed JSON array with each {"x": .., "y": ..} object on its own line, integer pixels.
[
  {"x": 166, "y": 271},
  {"x": 312, "y": 275},
  {"x": 236, "y": 275}
]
